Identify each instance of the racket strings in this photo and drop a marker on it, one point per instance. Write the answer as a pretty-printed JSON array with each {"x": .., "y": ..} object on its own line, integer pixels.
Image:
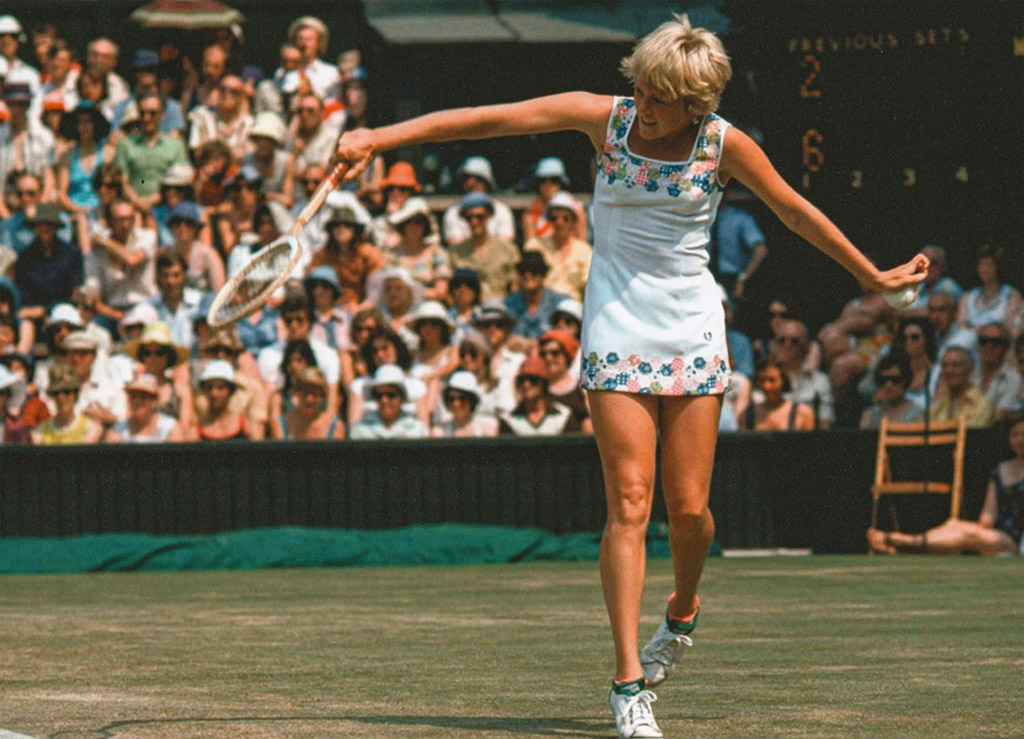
[{"x": 253, "y": 285}]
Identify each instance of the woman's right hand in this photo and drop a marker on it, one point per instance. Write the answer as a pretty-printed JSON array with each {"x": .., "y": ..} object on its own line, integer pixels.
[{"x": 356, "y": 148}]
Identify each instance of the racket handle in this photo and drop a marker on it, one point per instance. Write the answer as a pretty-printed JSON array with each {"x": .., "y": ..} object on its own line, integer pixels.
[{"x": 319, "y": 196}]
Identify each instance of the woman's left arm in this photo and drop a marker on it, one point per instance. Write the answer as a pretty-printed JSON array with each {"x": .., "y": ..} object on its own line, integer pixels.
[{"x": 743, "y": 159}]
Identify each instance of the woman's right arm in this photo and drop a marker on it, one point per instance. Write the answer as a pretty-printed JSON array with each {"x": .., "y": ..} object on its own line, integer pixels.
[{"x": 570, "y": 111}]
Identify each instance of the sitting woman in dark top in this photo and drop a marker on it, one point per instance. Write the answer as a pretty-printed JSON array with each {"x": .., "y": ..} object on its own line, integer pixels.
[
  {"x": 775, "y": 412},
  {"x": 558, "y": 349},
  {"x": 220, "y": 423}
]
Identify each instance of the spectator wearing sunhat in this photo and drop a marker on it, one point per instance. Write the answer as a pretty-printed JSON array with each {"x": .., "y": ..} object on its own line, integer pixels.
[
  {"x": 13, "y": 429},
  {"x": 330, "y": 321},
  {"x": 156, "y": 354},
  {"x": 269, "y": 158},
  {"x": 310, "y": 35},
  {"x": 493, "y": 258},
  {"x": 25, "y": 143},
  {"x": 220, "y": 421},
  {"x": 494, "y": 321},
  {"x": 145, "y": 423},
  {"x": 461, "y": 398},
  {"x": 418, "y": 250},
  {"x": 146, "y": 65},
  {"x": 87, "y": 127},
  {"x": 49, "y": 269},
  {"x": 389, "y": 390},
  {"x": 250, "y": 397},
  {"x": 68, "y": 425},
  {"x": 348, "y": 252},
  {"x": 400, "y": 184},
  {"x": 533, "y": 302},
  {"x": 567, "y": 255},
  {"x": 536, "y": 414},
  {"x": 435, "y": 355},
  {"x": 475, "y": 175},
  {"x": 549, "y": 178},
  {"x": 568, "y": 316}
]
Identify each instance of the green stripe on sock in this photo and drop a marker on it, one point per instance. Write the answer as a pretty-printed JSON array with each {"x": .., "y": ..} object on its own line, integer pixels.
[{"x": 631, "y": 688}]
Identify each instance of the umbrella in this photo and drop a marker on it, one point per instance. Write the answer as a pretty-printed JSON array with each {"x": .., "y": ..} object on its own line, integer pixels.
[{"x": 187, "y": 14}]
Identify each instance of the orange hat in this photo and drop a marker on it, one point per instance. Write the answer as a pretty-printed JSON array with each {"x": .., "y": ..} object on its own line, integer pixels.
[
  {"x": 533, "y": 366},
  {"x": 401, "y": 174},
  {"x": 564, "y": 339}
]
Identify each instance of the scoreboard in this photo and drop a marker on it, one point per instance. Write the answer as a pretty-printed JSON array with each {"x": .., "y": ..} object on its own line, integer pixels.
[{"x": 902, "y": 121}]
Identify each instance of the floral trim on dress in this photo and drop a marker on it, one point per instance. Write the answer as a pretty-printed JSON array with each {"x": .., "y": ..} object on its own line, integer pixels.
[
  {"x": 633, "y": 374},
  {"x": 695, "y": 178}
]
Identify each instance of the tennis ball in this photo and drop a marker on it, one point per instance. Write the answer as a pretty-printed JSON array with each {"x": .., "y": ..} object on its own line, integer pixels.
[{"x": 900, "y": 299}]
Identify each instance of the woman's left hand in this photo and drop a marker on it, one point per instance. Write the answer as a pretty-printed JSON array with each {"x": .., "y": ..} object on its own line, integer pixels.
[{"x": 911, "y": 273}]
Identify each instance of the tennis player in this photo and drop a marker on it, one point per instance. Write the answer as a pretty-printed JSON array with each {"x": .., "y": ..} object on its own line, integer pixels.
[{"x": 655, "y": 363}]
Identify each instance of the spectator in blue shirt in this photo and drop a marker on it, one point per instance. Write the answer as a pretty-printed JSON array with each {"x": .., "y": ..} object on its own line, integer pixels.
[
  {"x": 533, "y": 303},
  {"x": 737, "y": 250},
  {"x": 49, "y": 269}
]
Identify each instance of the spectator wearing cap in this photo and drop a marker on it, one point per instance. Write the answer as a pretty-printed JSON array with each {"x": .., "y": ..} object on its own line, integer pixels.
[
  {"x": 101, "y": 391},
  {"x": 389, "y": 391},
  {"x": 494, "y": 321},
  {"x": 13, "y": 429},
  {"x": 205, "y": 267},
  {"x": 156, "y": 355},
  {"x": 309, "y": 418},
  {"x": 68, "y": 425},
  {"x": 121, "y": 264},
  {"x": 348, "y": 253},
  {"x": 560, "y": 352},
  {"x": 567, "y": 255},
  {"x": 418, "y": 253},
  {"x": 536, "y": 414},
  {"x": 493, "y": 258},
  {"x": 88, "y": 129},
  {"x": 25, "y": 143},
  {"x": 145, "y": 64},
  {"x": 227, "y": 120},
  {"x": 146, "y": 423},
  {"x": 310, "y": 36},
  {"x": 461, "y": 398},
  {"x": 330, "y": 321},
  {"x": 218, "y": 419},
  {"x": 129, "y": 329},
  {"x": 549, "y": 179},
  {"x": 101, "y": 57},
  {"x": 10, "y": 307},
  {"x": 568, "y": 316},
  {"x": 49, "y": 269},
  {"x": 146, "y": 155},
  {"x": 312, "y": 140},
  {"x": 176, "y": 185},
  {"x": 534, "y": 301},
  {"x": 13, "y": 70},
  {"x": 475, "y": 175},
  {"x": 269, "y": 158}
]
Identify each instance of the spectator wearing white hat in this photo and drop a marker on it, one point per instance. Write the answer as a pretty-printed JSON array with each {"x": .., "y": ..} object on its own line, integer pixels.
[
  {"x": 435, "y": 357},
  {"x": 493, "y": 258},
  {"x": 101, "y": 395},
  {"x": 389, "y": 390},
  {"x": 396, "y": 294},
  {"x": 145, "y": 423},
  {"x": 12, "y": 397},
  {"x": 475, "y": 175},
  {"x": 12, "y": 69},
  {"x": 549, "y": 178},
  {"x": 568, "y": 316},
  {"x": 309, "y": 34},
  {"x": 566, "y": 253},
  {"x": 218, "y": 419},
  {"x": 269, "y": 158},
  {"x": 461, "y": 398},
  {"x": 416, "y": 252}
]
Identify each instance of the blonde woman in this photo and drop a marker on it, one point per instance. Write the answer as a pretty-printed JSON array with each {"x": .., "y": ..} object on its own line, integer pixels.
[{"x": 655, "y": 361}]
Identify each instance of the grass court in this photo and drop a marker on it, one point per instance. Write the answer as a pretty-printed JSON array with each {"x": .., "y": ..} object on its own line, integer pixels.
[{"x": 821, "y": 646}]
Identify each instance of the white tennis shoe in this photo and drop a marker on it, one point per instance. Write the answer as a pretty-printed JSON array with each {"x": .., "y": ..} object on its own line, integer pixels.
[
  {"x": 633, "y": 716},
  {"x": 662, "y": 653}
]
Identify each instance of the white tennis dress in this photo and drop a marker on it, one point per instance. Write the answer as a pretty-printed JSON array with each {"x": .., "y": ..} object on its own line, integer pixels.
[{"x": 652, "y": 313}]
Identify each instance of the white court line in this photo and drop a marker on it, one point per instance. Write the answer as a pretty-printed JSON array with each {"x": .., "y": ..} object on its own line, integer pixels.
[{"x": 4, "y": 734}]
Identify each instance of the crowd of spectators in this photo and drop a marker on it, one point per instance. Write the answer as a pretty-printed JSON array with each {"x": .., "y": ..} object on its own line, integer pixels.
[{"x": 127, "y": 204}]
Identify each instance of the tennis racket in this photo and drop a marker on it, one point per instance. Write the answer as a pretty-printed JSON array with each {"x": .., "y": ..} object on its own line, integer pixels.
[{"x": 269, "y": 268}]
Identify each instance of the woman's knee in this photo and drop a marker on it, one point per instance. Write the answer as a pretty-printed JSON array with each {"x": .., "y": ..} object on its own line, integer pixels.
[
  {"x": 690, "y": 518},
  {"x": 629, "y": 502}
]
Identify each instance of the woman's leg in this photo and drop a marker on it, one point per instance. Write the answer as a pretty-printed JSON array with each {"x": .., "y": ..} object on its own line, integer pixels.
[
  {"x": 689, "y": 433},
  {"x": 952, "y": 537},
  {"x": 626, "y": 429}
]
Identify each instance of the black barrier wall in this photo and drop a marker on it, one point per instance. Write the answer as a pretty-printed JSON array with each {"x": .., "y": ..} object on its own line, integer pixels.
[{"x": 807, "y": 490}]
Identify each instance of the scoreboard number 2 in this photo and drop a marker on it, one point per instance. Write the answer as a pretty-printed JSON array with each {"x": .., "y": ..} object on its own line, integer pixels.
[{"x": 812, "y": 66}]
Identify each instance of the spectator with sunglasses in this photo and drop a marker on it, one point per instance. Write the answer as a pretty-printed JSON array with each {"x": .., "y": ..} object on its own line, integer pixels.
[
  {"x": 496, "y": 396},
  {"x": 146, "y": 155},
  {"x": 790, "y": 349},
  {"x": 892, "y": 376},
  {"x": 476, "y": 177},
  {"x": 384, "y": 347},
  {"x": 461, "y": 398},
  {"x": 167, "y": 362},
  {"x": 568, "y": 256},
  {"x": 998, "y": 379},
  {"x": 559, "y": 351},
  {"x": 389, "y": 391},
  {"x": 536, "y": 414},
  {"x": 494, "y": 321},
  {"x": 493, "y": 258}
]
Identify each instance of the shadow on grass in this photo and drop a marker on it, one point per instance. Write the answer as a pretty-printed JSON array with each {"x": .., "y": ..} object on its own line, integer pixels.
[{"x": 527, "y": 726}]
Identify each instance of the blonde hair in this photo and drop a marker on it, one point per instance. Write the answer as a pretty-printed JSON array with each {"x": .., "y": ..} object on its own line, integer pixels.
[{"x": 678, "y": 61}]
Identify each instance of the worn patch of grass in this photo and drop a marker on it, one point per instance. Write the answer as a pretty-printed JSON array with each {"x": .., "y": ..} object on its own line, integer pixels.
[{"x": 808, "y": 647}]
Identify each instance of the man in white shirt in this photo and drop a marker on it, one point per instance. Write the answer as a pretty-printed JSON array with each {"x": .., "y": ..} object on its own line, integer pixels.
[
  {"x": 309, "y": 35},
  {"x": 121, "y": 263},
  {"x": 101, "y": 58},
  {"x": 12, "y": 69}
]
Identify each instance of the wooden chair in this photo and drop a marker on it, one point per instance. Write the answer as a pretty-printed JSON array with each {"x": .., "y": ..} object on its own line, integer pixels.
[{"x": 932, "y": 434}]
